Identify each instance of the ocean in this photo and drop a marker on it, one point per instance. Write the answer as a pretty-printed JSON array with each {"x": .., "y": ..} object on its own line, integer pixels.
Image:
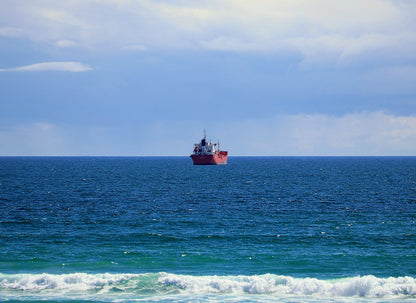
[{"x": 159, "y": 229}]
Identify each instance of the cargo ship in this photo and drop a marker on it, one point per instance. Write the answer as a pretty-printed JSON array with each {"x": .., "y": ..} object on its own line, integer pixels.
[{"x": 207, "y": 153}]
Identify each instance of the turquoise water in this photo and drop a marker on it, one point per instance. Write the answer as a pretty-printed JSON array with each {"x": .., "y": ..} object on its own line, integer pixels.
[{"x": 260, "y": 229}]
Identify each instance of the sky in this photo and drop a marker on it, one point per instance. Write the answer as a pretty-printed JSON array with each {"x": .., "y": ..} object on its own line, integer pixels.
[{"x": 264, "y": 77}]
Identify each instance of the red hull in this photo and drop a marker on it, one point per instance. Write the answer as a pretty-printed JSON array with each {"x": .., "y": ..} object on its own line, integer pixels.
[{"x": 217, "y": 159}]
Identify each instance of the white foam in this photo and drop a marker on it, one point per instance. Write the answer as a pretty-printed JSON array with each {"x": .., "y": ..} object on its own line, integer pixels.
[
  {"x": 366, "y": 286},
  {"x": 75, "y": 281},
  {"x": 163, "y": 284}
]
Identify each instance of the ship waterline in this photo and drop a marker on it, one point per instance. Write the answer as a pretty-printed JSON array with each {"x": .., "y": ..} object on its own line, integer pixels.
[{"x": 217, "y": 159}]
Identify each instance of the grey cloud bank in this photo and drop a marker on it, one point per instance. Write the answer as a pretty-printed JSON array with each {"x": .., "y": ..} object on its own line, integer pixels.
[{"x": 341, "y": 29}]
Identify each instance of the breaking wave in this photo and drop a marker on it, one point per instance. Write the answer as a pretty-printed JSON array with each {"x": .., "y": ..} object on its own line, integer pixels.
[{"x": 130, "y": 286}]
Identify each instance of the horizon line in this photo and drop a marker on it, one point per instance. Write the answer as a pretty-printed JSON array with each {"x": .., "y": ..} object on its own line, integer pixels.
[{"x": 167, "y": 156}]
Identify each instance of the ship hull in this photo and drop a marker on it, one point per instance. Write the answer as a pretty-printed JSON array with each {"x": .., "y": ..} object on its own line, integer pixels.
[{"x": 216, "y": 159}]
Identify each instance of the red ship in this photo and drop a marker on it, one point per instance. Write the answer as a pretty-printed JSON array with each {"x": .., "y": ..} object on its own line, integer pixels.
[{"x": 206, "y": 153}]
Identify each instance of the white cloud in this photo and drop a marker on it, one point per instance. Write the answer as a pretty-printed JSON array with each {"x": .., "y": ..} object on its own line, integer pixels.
[
  {"x": 339, "y": 31},
  {"x": 65, "y": 43},
  {"x": 51, "y": 66},
  {"x": 367, "y": 133}
]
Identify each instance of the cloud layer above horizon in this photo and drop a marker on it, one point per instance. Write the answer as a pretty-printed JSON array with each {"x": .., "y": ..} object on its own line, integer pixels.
[
  {"x": 342, "y": 30},
  {"x": 373, "y": 134}
]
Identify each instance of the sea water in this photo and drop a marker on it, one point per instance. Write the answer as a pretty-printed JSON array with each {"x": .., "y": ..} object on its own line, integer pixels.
[{"x": 159, "y": 229}]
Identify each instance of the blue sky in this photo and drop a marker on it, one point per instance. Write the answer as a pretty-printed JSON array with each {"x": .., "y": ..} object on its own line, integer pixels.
[{"x": 283, "y": 77}]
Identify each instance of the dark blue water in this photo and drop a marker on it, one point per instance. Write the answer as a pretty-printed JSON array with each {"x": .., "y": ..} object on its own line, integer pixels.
[{"x": 157, "y": 229}]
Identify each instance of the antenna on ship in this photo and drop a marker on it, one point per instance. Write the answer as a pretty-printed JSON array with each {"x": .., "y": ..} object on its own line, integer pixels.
[{"x": 205, "y": 134}]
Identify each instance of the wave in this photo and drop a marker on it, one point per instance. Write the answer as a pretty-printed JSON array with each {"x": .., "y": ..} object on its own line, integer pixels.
[{"x": 125, "y": 285}]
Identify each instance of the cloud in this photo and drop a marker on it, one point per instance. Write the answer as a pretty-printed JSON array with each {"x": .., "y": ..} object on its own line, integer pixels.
[
  {"x": 39, "y": 138},
  {"x": 356, "y": 134},
  {"x": 321, "y": 30},
  {"x": 65, "y": 43},
  {"x": 50, "y": 66},
  {"x": 366, "y": 133},
  {"x": 136, "y": 48},
  {"x": 48, "y": 139},
  {"x": 10, "y": 31},
  {"x": 229, "y": 44}
]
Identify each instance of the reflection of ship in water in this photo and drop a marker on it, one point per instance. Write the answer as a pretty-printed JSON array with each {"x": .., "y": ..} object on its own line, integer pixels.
[{"x": 207, "y": 153}]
